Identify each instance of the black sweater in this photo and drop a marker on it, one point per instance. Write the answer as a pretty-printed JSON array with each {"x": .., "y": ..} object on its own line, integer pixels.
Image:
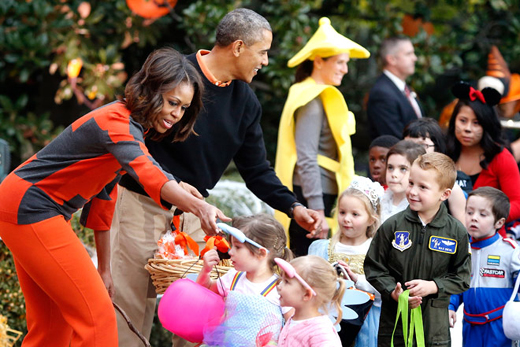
[{"x": 228, "y": 129}]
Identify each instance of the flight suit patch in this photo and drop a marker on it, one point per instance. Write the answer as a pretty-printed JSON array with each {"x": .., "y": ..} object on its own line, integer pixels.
[
  {"x": 443, "y": 244},
  {"x": 402, "y": 240}
]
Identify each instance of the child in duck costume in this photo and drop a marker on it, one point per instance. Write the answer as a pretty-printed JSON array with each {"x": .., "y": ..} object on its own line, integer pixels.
[{"x": 314, "y": 152}]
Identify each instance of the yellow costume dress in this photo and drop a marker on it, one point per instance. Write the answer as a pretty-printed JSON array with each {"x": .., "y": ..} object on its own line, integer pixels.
[{"x": 342, "y": 124}]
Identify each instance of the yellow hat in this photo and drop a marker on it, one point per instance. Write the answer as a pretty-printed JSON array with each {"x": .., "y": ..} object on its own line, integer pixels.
[{"x": 327, "y": 42}]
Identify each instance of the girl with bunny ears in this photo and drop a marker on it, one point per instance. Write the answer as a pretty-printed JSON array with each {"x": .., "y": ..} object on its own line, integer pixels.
[
  {"x": 310, "y": 285},
  {"x": 359, "y": 214},
  {"x": 474, "y": 141}
]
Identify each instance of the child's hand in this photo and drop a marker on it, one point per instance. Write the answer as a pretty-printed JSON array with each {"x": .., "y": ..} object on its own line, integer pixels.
[
  {"x": 421, "y": 288},
  {"x": 353, "y": 276},
  {"x": 397, "y": 291},
  {"x": 453, "y": 318},
  {"x": 210, "y": 259},
  {"x": 414, "y": 302}
]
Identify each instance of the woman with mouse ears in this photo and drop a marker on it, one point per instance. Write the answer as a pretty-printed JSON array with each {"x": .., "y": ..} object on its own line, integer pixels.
[
  {"x": 475, "y": 143},
  {"x": 314, "y": 152}
]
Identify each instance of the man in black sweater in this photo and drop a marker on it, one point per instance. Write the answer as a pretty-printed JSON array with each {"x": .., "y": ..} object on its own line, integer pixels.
[{"x": 228, "y": 129}]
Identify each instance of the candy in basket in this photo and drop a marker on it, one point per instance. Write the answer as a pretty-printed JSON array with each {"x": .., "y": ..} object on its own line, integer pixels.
[{"x": 178, "y": 255}]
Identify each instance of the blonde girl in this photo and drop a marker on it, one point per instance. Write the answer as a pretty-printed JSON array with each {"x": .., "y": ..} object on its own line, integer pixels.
[
  {"x": 253, "y": 309},
  {"x": 310, "y": 285},
  {"x": 398, "y": 163},
  {"x": 358, "y": 213}
]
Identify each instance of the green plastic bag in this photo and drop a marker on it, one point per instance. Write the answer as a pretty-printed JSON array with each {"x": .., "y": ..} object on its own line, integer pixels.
[{"x": 416, "y": 323}]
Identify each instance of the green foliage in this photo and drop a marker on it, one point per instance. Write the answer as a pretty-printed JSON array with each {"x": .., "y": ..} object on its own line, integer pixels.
[
  {"x": 40, "y": 37},
  {"x": 27, "y": 133},
  {"x": 12, "y": 303}
]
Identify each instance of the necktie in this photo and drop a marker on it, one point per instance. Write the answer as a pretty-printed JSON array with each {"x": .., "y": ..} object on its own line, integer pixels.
[{"x": 412, "y": 101}]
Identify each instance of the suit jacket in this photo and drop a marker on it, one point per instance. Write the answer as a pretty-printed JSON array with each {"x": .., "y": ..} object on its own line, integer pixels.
[{"x": 388, "y": 109}]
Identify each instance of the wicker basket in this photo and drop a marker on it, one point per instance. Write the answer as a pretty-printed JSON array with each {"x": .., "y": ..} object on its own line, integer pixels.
[
  {"x": 165, "y": 271},
  {"x": 8, "y": 337}
]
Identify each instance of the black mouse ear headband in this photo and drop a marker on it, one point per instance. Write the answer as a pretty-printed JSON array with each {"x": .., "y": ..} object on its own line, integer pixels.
[{"x": 488, "y": 96}]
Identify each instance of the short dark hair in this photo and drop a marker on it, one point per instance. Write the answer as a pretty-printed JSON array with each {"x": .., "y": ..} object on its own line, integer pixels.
[
  {"x": 498, "y": 200},
  {"x": 241, "y": 24},
  {"x": 163, "y": 71},
  {"x": 389, "y": 47},
  {"x": 385, "y": 141},
  {"x": 408, "y": 149},
  {"x": 428, "y": 128}
]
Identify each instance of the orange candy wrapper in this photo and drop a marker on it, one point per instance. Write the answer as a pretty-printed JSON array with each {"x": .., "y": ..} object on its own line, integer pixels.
[
  {"x": 176, "y": 244},
  {"x": 215, "y": 241}
]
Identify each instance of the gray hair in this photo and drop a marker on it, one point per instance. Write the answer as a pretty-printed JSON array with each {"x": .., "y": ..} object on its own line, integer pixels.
[
  {"x": 241, "y": 24},
  {"x": 390, "y": 47}
]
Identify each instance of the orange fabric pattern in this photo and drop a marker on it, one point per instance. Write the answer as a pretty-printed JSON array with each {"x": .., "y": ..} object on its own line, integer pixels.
[{"x": 82, "y": 164}]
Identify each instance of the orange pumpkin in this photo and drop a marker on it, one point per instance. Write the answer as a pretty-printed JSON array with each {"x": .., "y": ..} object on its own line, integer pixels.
[
  {"x": 150, "y": 8},
  {"x": 411, "y": 25}
]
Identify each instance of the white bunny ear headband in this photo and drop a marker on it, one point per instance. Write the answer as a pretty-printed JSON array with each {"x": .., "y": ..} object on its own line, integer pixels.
[{"x": 373, "y": 190}]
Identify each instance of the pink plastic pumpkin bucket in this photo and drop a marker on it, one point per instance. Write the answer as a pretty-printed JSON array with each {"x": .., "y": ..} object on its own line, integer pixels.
[{"x": 187, "y": 309}]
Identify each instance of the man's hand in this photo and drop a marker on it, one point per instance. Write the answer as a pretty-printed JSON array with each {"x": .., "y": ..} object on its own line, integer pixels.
[
  {"x": 422, "y": 288},
  {"x": 208, "y": 215},
  {"x": 324, "y": 226},
  {"x": 308, "y": 219}
]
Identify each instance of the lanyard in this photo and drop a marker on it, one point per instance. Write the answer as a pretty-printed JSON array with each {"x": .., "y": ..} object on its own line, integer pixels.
[{"x": 416, "y": 323}]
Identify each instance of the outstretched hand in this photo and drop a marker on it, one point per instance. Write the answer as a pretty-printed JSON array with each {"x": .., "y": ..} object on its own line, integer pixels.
[
  {"x": 308, "y": 219},
  {"x": 208, "y": 215}
]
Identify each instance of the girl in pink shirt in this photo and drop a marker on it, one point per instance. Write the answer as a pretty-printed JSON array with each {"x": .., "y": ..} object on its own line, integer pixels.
[{"x": 309, "y": 284}]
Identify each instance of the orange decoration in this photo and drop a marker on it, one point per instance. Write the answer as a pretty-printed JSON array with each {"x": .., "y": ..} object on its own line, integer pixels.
[
  {"x": 150, "y": 8},
  {"x": 176, "y": 221},
  {"x": 411, "y": 25},
  {"x": 447, "y": 111},
  {"x": 184, "y": 240},
  {"x": 514, "y": 89},
  {"x": 215, "y": 241},
  {"x": 74, "y": 67}
]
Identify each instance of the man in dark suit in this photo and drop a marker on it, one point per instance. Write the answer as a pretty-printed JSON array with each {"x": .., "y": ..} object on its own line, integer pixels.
[{"x": 391, "y": 103}]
